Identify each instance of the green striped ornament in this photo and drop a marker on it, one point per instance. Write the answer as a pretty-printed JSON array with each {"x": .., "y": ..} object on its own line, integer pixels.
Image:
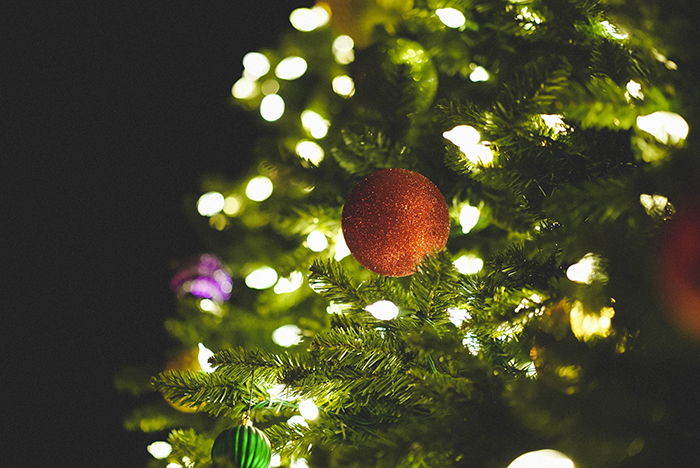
[{"x": 241, "y": 447}]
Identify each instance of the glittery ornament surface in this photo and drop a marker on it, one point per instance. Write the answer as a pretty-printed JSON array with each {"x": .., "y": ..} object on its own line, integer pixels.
[{"x": 392, "y": 219}]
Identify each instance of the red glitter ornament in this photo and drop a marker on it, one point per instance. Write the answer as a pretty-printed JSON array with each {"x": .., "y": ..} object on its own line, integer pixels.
[
  {"x": 392, "y": 219},
  {"x": 679, "y": 269}
]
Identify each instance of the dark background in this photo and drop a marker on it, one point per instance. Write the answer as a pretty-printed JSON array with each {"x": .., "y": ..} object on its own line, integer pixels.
[{"x": 116, "y": 111}]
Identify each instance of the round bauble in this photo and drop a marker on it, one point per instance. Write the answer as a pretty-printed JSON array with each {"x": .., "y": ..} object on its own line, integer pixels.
[
  {"x": 679, "y": 269},
  {"x": 241, "y": 446},
  {"x": 395, "y": 75},
  {"x": 187, "y": 360},
  {"x": 392, "y": 219},
  {"x": 204, "y": 277}
]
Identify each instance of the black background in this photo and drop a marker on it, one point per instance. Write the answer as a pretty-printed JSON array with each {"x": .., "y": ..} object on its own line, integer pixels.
[{"x": 116, "y": 111}]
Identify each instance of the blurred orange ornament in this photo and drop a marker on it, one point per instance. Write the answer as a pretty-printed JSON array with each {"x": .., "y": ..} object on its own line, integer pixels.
[
  {"x": 358, "y": 18},
  {"x": 186, "y": 360}
]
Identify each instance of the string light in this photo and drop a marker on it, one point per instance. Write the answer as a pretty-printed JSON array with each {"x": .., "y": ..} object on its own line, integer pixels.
[
  {"x": 207, "y": 305},
  {"x": 299, "y": 421},
  {"x": 262, "y": 278},
  {"x": 310, "y": 151},
  {"x": 336, "y": 308},
  {"x": 341, "y": 248},
  {"x": 210, "y": 203},
  {"x": 468, "y": 217},
  {"x": 450, "y": 17},
  {"x": 471, "y": 342},
  {"x": 343, "y": 85},
  {"x": 275, "y": 460},
  {"x": 203, "y": 358},
  {"x": 546, "y": 458},
  {"x": 383, "y": 310},
  {"x": 159, "y": 449},
  {"x": 314, "y": 123},
  {"x": 244, "y": 89},
  {"x": 666, "y": 127},
  {"x": 655, "y": 204},
  {"x": 316, "y": 241},
  {"x": 287, "y": 335},
  {"x": 255, "y": 64},
  {"x": 232, "y": 205},
  {"x": 469, "y": 264},
  {"x": 479, "y": 74},
  {"x": 272, "y": 107},
  {"x": 173, "y": 465},
  {"x": 634, "y": 90},
  {"x": 555, "y": 122},
  {"x": 343, "y": 49},
  {"x": 291, "y": 68},
  {"x": 587, "y": 325},
  {"x": 259, "y": 188},
  {"x": 308, "y": 19},
  {"x": 299, "y": 463},
  {"x": 586, "y": 270},
  {"x": 458, "y": 316},
  {"x": 289, "y": 284},
  {"x": 613, "y": 31},
  {"x": 308, "y": 409},
  {"x": 462, "y": 135}
]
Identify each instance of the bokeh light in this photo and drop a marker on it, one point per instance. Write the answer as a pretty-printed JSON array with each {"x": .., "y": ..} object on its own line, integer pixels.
[
  {"x": 210, "y": 203},
  {"x": 261, "y": 278},
  {"x": 272, "y": 107},
  {"x": 542, "y": 459},
  {"x": 259, "y": 188},
  {"x": 287, "y": 335},
  {"x": 383, "y": 310}
]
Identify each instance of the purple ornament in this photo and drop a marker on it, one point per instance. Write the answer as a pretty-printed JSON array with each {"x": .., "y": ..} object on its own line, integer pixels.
[{"x": 204, "y": 277}]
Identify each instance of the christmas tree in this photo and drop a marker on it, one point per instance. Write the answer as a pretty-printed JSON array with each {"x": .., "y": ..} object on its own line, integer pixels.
[{"x": 469, "y": 239}]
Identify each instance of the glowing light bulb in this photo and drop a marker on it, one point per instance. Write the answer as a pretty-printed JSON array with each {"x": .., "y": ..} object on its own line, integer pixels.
[
  {"x": 275, "y": 460},
  {"x": 297, "y": 420},
  {"x": 308, "y": 409},
  {"x": 666, "y": 127},
  {"x": 458, "y": 316},
  {"x": 588, "y": 324},
  {"x": 289, "y": 284},
  {"x": 259, "y": 188},
  {"x": 256, "y": 64},
  {"x": 244, "y": 89},
  {"x": 159, "y": 449},
  {"x": 280, "y": 392},
  {"x": 463, "y": 136},
  {"x": 314, "y": 123},
  {"x": 471, "y": 342},
  {"x": 173, "y": 465},
  {"x": 272, "y": 107},
  {"x": 335, "y": 308},
  {"x": 468, "y": 217},
  {"x": 308, "y": 19},
  {"x": 343, "y": 85},
  {"x": 479, "y": 74},
  {"x": 655, "y": 204},
  {"x": 207, "y": 305},
  {"x": 287, "y": 335},
  {"x": 262, "y": 278},
  {"x": 316, "y": 241},
  {"x": 343, "y": 49},
  {"x": 299, "y": 463},
  {"x": 479, "y": 154},
  {"x": 210, "y": 203},
  {"x": 310, "y": 151},
  {"x": 547, "y": 458},
  {"x": 613, "y": 31},
  {"x": 450, "y": 17},
  {"x": 341, "y": 248},
  {"x": 291, "y": 68},
  {"x": 468, "y": 264},
  {"x": 586, "y": 270},
  {"x": 555, "y": 122},
  {"x": 634, "y": 89},
  {"x": 232, "y": 205},
  {"x": 203, "y": 358},
  {"x": 383, "y": 310}
]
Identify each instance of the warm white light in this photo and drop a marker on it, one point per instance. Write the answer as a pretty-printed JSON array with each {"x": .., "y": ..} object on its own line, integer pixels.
[
  {"x": 343, "y": 85},
  {"x": 299, "y": 463},
  {"x": 173, "y": 465},
  {"x": 634, "y": 89},
  {"x": 275, "y": 460},
  {"x": 256, "y": 64},
  {"x": 468, "y": 264},
  {"x": 542, "y": 459},
  {"x": 383, "y": 310},
  {"x": 232, "y": 205},
  {"x": 555, "y": 122},
  {"x": 480, "y": 154},
  {"x": 244, "y": 89},
  {"x": 297, "y": 420},
  {"x": 654, "y": 204},
  {"x": 259, "y": 188},
  {"x": 335, "y": 308},
  {"x": 314, "y": 123},
  {"x": 316, "y": 241},
  {"x": 159, "y": 449},
  {"x": 341, "y": 248},
  {"x": 210, "y": 203},
  {"x": 613, "y": 31},
  {"x": 479, "y": 74},
  {"x": 308, "y": 409},
  {"x": 343, "y": 49},
  {"x": 471, "y": 342},
  {"x": 450, "y": 17},
  {"x": 207, "y": 305},
  {"x": 308, "y": 19},
  {"x": 468, "y": 217},
  {"x": 666, "y": 127},
  {"x": 463, "y": 135},
  {"x": 458, "y": 316},
  {"x": 310, "y": 151},
  {"x": 287, "y": 335},
  {"x": 586, "y": 324},
  {"x": 280, "y": 392},
  {"x": 586, "y": 270},
  {"x": 203, "y": 358},
  {"x": 262, "y": 278},
  {"x": 272, "y": 107},
  {"x": 289, "y": 284},
  {"x": 291, "y": 68}
]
